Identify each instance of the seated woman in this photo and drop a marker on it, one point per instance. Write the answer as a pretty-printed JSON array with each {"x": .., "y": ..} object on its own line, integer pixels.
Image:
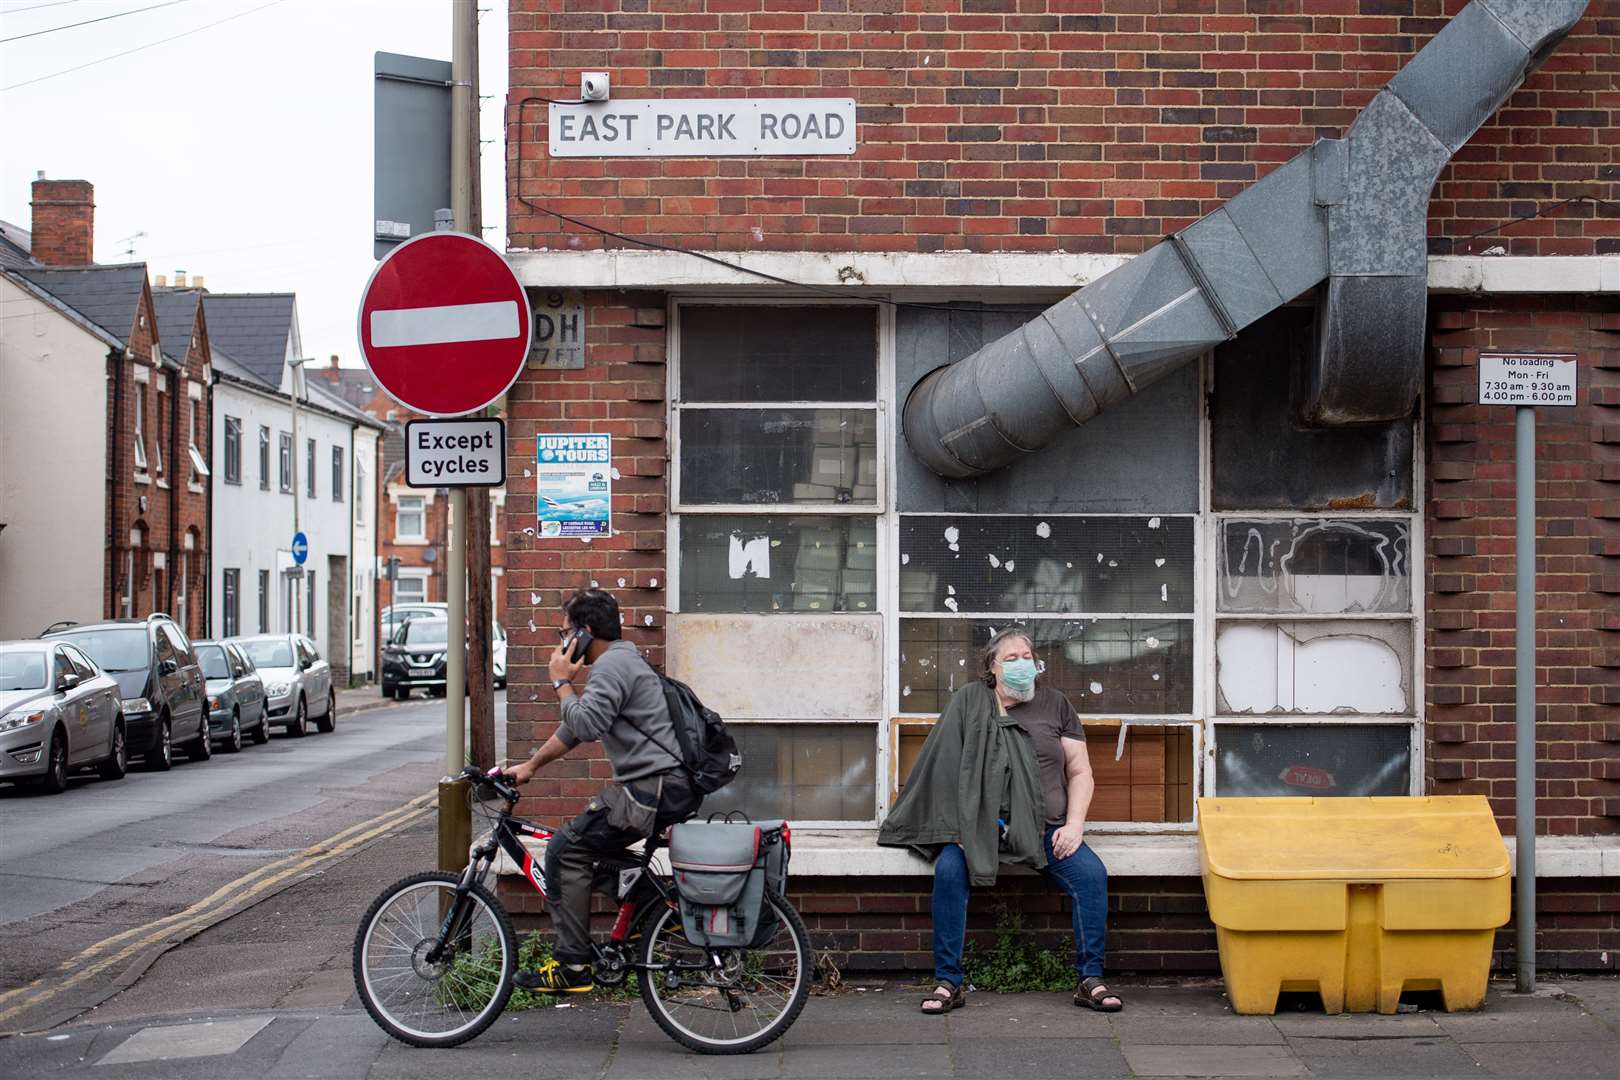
[{"x": 1004, "y": 777}]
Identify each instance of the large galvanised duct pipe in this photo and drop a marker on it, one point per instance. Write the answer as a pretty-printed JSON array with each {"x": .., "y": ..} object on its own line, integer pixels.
[{"x": 1350, "y": 211}]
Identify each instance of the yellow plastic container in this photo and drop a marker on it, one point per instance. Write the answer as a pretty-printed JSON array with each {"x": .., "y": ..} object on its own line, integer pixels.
[{"x": 1356, "y": 899}]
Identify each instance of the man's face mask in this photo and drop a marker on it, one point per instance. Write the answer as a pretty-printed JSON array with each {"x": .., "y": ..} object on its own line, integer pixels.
[{"x": 1018, "y": 676}]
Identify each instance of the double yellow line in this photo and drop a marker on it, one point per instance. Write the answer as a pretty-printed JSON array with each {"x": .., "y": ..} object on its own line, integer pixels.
[{"x": 120, "y": 947}]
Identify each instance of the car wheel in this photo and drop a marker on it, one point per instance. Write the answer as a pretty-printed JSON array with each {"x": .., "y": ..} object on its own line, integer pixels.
[
  {"x": 160, "y": 758},
  {"x": 54, "y": 782},
  {"x": 202, "y": 747},
  {"x": 327, "y": 723},
  {"x": 300, "y": 721},
  {"x": 261, "y": 734},
  {"x": 232, "y": 743},
  {"x": 402, "y": 693},
  {"x": 117, "y": 762}
]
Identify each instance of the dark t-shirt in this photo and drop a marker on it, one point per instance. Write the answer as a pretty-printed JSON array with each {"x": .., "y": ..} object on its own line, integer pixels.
[{"x": 1049, "y": 719}]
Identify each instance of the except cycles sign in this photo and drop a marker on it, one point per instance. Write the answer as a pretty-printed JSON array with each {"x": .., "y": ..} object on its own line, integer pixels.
[
  {"x": 445, "y": 324},
  {"x": 455, "y": 453},
  {"x": 1526, "y": 379}
]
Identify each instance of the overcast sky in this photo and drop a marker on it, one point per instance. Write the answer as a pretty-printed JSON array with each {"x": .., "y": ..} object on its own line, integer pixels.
[{"x": 242, "y": 151}]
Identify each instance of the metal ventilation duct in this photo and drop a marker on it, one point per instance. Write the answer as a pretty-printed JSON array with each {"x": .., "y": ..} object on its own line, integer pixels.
[{"x": 1352, "y": 211}]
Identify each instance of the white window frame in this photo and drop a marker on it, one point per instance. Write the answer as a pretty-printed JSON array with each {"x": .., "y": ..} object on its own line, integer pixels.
[
  {"x": 416, "y": 574},
  {"x": 140, "y": 426},
  {"x": 878, "y": 511},
  {"x": 337, "y": 473},
  {"x": 231, "y": 601},
  {"x": 181, "y": 596},
  {"x": 420, "y": 536},
  {"x": 311, "y": 465},
  {"x": 264, "y": 457},
  {"x": 359, "y": 488},
  {"x": 288, "y": 464},
  {"x": 233, "y": 449},
  {"x": 162, "y": 390}
]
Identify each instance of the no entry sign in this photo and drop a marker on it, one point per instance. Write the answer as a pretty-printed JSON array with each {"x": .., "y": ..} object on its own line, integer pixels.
[{"x": 444, "y": 324}]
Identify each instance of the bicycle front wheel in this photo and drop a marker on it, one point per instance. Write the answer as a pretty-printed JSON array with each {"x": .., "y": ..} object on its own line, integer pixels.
[
  {"x": 420, "y": 991},
  {"x": 746, "y": 1002}
]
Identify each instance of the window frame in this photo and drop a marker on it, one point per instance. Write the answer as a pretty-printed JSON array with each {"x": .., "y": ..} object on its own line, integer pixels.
[
  {"x": 265, "y": 601},
  {"x": 311, "y": 455},
  {"x": 230, "y": 590},
  {"x": 419, "y": 537},
  {"x": 337, "y": 473},
  {"x": 264, "y": 457},
  {"x": 413, "y": 574},
  {"x": 140, "y": 427},
  {"x": 288, "y": 467},
  {"x": 233, "y": 450},
  {"x": 879, "y": 511}
]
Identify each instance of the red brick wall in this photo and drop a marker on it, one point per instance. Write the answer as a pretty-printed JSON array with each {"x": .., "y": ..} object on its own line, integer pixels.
[
  {"x": 1471, "y": 568},
  {"x": 1038, "y": 125},
  {"x": 64, "y": 216},
  {"x": 126, "y": 494}
]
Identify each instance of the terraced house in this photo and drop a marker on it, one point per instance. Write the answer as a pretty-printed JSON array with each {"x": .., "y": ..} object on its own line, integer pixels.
[{"x": 1214, "y": 279}]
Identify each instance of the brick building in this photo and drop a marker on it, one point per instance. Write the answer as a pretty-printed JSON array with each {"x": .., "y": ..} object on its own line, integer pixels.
[
  {"x": 108, "y": 420},
  {"x": 1236, "y": 601}
]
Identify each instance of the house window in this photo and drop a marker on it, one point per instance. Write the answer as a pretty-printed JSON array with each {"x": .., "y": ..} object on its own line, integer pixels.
[
  {"x": 411, "y": 587},
  {"x": 126, "y": 601},
  {"x": 286, "y": 463},
  {"x": 199, "y": 464},
  {"x": 181, "y": 591},
  {"x": 264, "y": 459},
  {"x": 233, "y": 450},
  {"x": 360, "y": 491},
  {"x": 309, "y": 602},
  {"x": 140, "y": 427},
  {"x": 231, "y": 602},
  {"x": 779, "y": 443},
  {"x": 309, "y": 468},
  {"x": 410, "y": 518},
  {"x": 162, "y": 426},
  {"x": 337, "y": 474},
  {"x": 264, "y": 601}
]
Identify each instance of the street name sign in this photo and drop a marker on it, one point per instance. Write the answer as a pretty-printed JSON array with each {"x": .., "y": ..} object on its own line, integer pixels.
[
  {"x": 455, "y": 453},
  {"x": 444, "y": 324},
  {"x": 1527, "y": 379},
  {"x": 703, "y": 127}
]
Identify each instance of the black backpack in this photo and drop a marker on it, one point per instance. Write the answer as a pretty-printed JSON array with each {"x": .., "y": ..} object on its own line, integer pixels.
[{"x": 708, "y": 752}]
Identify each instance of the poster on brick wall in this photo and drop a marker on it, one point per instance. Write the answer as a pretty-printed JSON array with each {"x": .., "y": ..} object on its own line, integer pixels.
[{"x": 574, "y": 485}]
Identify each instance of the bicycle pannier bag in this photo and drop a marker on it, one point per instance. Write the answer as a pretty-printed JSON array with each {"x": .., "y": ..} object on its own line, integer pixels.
[{"x": 721, "y": 871}]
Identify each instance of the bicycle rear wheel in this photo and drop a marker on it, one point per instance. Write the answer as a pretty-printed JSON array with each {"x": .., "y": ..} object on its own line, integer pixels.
[
  {"x": 746, "y": 1003},
  {"x": 425, "y": 999}
]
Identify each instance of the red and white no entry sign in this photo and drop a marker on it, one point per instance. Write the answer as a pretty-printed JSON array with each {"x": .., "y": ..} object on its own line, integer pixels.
[{"x": 444, "y": 324}]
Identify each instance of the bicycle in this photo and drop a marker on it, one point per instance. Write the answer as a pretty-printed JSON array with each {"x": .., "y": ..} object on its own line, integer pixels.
[{"x": 435, "y": 954}]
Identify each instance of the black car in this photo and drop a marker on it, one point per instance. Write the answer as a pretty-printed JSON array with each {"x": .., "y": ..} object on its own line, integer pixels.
[
  {"x": 164, "y": 697},
  {"x": 415, "y": 658}
]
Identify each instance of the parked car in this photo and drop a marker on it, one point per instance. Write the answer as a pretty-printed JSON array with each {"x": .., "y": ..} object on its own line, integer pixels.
[
  {"x": 58, "y": 712},
  {"x": 414, "y": 658},
  {"x": 297, "y": 681},
  {"x": 236, "y": 703},
  {"x": 163, "y": 692},
  {"x": 395, "y": 615}
]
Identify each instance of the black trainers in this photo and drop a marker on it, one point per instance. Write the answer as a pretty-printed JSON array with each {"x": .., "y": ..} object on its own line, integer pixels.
[{"x": 555, "y": 978}]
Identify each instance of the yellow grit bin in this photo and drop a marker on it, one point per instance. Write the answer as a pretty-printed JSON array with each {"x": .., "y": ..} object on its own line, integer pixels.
[{"x": 1356, "y": 899}]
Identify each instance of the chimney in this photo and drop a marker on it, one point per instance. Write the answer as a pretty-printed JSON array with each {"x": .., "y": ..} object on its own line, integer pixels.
[
  {"x": 161, "y": 281},
  {"x": 179, "y": 279},
  {"x": 333, "y": 364},
  {"x": 196, "y": 281},
  {"x": 64, "y": 222}
]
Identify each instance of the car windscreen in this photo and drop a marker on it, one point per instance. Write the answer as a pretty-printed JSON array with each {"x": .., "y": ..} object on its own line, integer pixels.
[
  {"x": 427, "y": 632},
  {"x": 213, "y": 661},
  {"x": 269, "y": 653},
  {"x": 121, "y": 649},
  {"x": 23, "y": 671}
]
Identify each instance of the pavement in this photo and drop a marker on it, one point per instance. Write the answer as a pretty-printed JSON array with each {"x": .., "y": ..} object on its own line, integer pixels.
[{"x": 1572, "y": 1031}]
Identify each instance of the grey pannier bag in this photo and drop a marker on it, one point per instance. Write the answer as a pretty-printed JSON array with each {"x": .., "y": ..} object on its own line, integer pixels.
[{"x": 721, "y": 871}]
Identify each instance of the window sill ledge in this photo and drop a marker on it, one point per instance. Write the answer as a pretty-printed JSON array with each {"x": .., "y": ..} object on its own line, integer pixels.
[{"x": 854, "y": 853}]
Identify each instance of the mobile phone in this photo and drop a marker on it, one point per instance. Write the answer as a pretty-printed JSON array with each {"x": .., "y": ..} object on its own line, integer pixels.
[{"x": 579, "y": 643}]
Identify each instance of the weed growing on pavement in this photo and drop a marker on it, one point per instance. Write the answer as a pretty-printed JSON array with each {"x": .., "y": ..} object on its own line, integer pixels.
[
  {"x": 471, "y": 981},
  {"x": 1015, "y": 964}
]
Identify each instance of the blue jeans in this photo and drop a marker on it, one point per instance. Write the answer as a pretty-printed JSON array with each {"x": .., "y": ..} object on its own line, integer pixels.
[{"x": 1081, "y": 876}]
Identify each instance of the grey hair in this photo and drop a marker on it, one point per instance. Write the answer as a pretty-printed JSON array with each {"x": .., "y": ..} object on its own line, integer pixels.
[{"x": 987, "y": 655}]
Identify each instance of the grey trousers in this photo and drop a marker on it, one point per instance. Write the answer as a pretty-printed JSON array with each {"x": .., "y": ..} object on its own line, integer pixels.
[{"x": 616, "y": 818}]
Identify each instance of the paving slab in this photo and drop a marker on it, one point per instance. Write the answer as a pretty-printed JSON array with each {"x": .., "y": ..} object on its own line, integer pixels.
[
  {"x": 1358, "y": 1025},
  {"x": 873, "y": 1061},
  {"x": 331, "y": 1048},
  {"x": 1038, "y": 1059},
  {"x": 542, "y": 1043},
  {"x": 870, "y": 1019},
  {"x": 1029, "y": 1016},
  {"x": 1212, "y": 1061},
  {"x": 1563, "y": 1060},
  {"x": 206, "y": 1039},
  {"x": 1195, "y": 1030},
  {"x": 1569, "y": 1024},
  {"x": 1434, "y": 1056}
]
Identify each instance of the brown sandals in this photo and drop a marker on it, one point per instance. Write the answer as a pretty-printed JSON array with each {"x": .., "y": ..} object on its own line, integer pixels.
[
  {"x": 1095, "y": 994},
  {"x": 944, "y": 998}
]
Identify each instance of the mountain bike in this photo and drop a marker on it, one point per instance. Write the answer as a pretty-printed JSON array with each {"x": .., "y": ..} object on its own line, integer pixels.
[{"x": 436, "y": 953}]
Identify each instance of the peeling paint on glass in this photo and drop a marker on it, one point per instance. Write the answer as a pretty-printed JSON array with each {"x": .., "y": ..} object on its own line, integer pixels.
[
  {"x": 778, "y": 562},
  {"x": 1315, "y": 566},
  {"x": 1319, "y": 667}
]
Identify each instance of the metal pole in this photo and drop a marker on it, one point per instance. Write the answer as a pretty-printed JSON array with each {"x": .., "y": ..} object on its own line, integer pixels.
[
  {"x": 455, "y": 826},
  {"x": 1524, "y": 789}
]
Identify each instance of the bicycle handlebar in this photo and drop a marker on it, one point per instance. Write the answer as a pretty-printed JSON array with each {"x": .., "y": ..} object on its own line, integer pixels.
[{"x": 494, "y": 778}]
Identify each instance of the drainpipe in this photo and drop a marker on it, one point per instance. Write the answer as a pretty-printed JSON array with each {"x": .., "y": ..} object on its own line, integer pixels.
[{"x": 1351, "y": 212}]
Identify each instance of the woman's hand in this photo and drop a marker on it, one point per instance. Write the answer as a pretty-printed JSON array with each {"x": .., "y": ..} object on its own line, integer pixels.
[
  {"x": 1067, "y": 840},
  {"x": 561, "y": 666}
]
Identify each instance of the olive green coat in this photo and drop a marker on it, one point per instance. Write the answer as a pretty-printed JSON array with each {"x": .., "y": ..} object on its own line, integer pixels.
[{"x": 978, "y": 764}]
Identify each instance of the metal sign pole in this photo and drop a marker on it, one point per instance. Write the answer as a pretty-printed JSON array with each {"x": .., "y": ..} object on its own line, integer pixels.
[{"x": 1524, "y": 648}]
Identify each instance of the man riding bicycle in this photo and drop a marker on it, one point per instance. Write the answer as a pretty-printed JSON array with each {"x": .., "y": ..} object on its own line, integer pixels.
[{"x": 623, "y": 707}]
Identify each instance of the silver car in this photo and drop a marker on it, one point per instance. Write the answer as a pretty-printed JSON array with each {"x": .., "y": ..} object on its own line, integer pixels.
[
  {"x": 297, "y": 681},
  {"x": 58, "y": 711}
]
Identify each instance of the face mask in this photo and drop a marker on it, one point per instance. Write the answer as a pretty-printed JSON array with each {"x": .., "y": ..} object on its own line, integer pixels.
[{"x": 1018, "y": 676}]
